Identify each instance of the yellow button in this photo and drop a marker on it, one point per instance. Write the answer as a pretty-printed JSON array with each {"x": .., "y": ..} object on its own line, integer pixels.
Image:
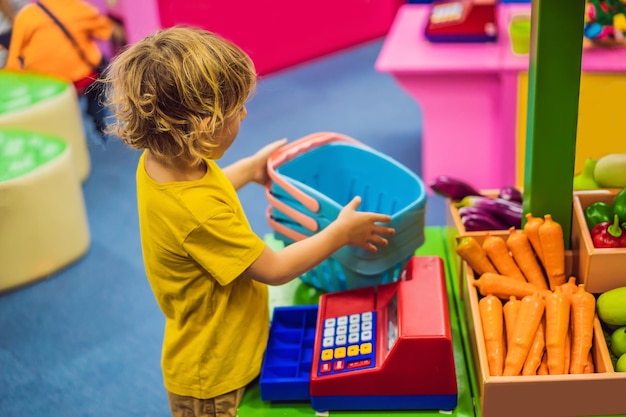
[
  {"x": 353, "y": 350},
  {"x": 327, "y": 354},
  {"x": 366, "y": 348},
  {"x": 340, "y": 352}
]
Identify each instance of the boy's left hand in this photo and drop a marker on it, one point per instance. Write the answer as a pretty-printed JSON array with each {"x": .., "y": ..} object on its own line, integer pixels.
[{"x": 259, "y": 161}]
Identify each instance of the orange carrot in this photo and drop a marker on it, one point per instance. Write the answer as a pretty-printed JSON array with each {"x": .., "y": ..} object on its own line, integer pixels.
[
  {"x": 525, "y": 257},
  {"x": 543, "y": 366},
  {"x": 583, "y": 314},
  {"x": 498, "y": 254},
  {"x": 557, "y": 326},
  {"x": 531, "y": 228},
  {"x": 509, "y": 310},
  {"x": 589, "y": 366},
  {"x": 471, "y": 252},
  {"x": 570, "y": 287},
  {"x": 553, "y": 248},
  {"x": 529, "y": 316},
  {"x": 568, "y": 348},
  {"x": 533, "y": 359},
  {"x": 490, "y": 308},
  {"x": 504, "y": 287}
]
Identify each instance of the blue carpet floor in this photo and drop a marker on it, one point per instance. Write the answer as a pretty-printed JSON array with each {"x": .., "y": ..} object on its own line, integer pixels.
[{"x": 86, "y": 341}]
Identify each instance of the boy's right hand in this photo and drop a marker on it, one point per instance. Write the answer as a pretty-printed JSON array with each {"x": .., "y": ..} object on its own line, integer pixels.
[{"x": 363, "y": 229}]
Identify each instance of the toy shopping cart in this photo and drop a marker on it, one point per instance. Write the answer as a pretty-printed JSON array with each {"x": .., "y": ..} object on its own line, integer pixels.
[{"x": 314, "y": 177}]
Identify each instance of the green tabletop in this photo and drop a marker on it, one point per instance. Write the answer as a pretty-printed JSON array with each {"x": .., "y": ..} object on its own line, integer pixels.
[
  {"x": 23, "y": 151},
  {"x": 296, "y": 292},
  {"x": 20, "y": 90}
]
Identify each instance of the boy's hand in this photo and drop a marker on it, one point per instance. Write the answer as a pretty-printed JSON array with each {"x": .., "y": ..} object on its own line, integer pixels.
[
  {"x": 259, "y": 161},
  {"x": 363, "y": 229}
]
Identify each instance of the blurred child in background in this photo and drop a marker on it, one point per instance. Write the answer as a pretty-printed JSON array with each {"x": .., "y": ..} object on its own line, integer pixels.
[{"x": 60, "y": 38}]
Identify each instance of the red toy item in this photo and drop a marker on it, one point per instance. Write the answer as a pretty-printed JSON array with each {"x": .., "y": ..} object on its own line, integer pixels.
[
  {"x": 394, "y": 350},
  {"x": 462, "y": 21}
]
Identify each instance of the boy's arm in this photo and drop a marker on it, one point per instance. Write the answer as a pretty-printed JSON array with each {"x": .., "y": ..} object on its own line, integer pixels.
[
  {"x": 252, "y": 168},
  {"x": 351, "y": 228},
  {"x": 17, "y": 40},
  {"x": 7, "y": 10}
]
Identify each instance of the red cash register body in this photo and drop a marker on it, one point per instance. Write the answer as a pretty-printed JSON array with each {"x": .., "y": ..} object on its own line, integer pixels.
[{"x": 409, "y": 361}]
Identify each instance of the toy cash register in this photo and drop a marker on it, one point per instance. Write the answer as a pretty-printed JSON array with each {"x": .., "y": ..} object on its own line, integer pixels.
[
  {"x": 462, "y": 21},
  {"x": 386, "y": 347}
]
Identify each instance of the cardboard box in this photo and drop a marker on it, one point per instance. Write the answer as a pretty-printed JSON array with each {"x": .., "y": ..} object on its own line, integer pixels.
[
  {"x": 597, "y": 394},
  {"x": 599, "y": 269},
  {"x": 456, "y": 231}
]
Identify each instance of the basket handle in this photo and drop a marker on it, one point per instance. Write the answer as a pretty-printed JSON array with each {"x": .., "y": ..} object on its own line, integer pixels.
[
  {"x": 282, "y": 229},
  {"x": 303, "y": 219},
  {"x": 290, "y": 151}
]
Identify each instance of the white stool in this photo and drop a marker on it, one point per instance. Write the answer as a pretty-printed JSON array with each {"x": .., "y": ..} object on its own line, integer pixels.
[
  {"x": 43, "y": 220},
  {"x": 48, "y": 105}
]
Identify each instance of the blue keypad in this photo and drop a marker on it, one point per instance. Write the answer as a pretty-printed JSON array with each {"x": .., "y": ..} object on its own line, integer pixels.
[{"x": 348, "y": 343}]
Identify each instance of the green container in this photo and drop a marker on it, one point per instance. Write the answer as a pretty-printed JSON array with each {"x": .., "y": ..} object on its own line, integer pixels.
[{"x": 519, "y": 29}]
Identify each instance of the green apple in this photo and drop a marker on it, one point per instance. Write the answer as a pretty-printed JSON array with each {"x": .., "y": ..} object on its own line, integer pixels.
[
  {"x": 611, "y": 307},
  {"x": 618, "y": 341},
  {"x": 620, "y": 366}
]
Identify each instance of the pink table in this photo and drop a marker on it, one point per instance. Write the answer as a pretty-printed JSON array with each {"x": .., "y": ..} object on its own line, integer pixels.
[{"x": 468, "y": 94}]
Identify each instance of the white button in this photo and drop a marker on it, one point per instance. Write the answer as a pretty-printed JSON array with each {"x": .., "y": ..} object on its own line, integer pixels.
[
  {"x": 329, "y": 322},
  {"x": 353, "y": 338},
  {"x": 342, "y": 329},
  {"x": 327, "y": 342},
  {"x": 355, "y": 318},
  {"x": 366, "y": 325},
  {"x": 329, "y": 332},
  {"x": 366, "y": 336},
  {"x": 342, "y": 321},
  {"x": 367, "y": 315},
  {"x": 355, "y": 327},
  {"x": 340, "y": 340}
]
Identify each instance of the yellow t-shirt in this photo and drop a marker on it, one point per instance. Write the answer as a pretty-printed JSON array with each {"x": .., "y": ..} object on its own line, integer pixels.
[{"x": 196, "y": 244}]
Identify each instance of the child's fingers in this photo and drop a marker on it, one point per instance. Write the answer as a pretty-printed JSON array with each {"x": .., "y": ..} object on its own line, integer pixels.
[
  {"x": 384, "y": 230},
  {"x": 354, "y": 203}
]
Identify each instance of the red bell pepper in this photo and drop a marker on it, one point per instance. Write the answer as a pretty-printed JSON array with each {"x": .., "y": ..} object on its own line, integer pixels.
[{"x": 608, "y": 235}]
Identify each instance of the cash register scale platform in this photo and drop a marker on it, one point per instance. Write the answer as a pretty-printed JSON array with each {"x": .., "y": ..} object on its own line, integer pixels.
[{"x": 385, "y": 347}]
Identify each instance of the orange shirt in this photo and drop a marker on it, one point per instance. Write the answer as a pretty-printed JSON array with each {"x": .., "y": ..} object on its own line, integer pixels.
[{"x": 43, "y": 46}]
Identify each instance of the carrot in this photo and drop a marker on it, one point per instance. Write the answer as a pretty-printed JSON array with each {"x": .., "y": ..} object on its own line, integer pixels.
[
  {"x": 570, "y": 287},
  {"x": 583, "y": 314},
  {"x": 490, "y": 308},
  {"x": 498, "y": 254},
  {"x": 471, "y": 252},
  {"x": 525, "y": 257},
  {"x": 589, "y": 367},
  {"x": 568, "y": 348},
  {"x": 543, "y": 366},
  {"x": 504, "y": 287},
  {"x": 553, "y": 247},
  {"x": 531, "y": 228},
  {"x": 557, "y": 326},
  {"x": 529, "y": 316},
  {"x": 509, "y": 310},
  {"x": 533, "y": 359}
]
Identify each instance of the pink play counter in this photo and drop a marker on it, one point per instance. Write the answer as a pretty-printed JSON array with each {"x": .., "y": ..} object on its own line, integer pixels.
[{"x": 468, "y": 94}]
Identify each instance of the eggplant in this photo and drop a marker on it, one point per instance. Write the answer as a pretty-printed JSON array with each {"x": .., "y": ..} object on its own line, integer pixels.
[
  {"x": 473, "y": 223},
  {"x": 452, "y": 188},
  {"x": 511, "y": 194},
  {"x": 509, "y": 212},
  {"x": 476, "y": 219}
]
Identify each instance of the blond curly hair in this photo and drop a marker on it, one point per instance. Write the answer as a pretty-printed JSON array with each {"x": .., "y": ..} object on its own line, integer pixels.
[{"x": 172, "y": 91}]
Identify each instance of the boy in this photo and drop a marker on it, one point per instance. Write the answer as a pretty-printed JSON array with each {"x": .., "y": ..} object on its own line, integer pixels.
[{"x": 179, "y": 95}]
